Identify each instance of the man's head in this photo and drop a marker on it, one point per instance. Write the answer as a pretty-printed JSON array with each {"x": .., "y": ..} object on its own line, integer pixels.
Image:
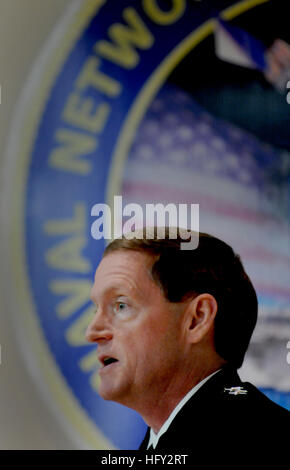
[{"x": 163, "y": 312}]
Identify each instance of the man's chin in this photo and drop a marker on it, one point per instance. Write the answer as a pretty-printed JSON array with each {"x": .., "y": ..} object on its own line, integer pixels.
[
  {"x": 105, "y": 393},
  {"x": 108, "y": 392},
  {"x": 114, "y": 393}
]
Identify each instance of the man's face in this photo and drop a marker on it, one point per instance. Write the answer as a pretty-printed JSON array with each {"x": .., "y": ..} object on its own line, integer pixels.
[{"x": 137, "y": 327}]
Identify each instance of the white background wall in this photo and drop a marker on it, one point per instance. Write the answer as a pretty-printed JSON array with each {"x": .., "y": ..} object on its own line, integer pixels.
[{"x": 25, "y": 420}]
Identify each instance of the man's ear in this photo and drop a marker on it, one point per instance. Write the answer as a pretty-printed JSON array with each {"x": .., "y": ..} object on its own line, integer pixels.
[{"x": 201, "y": 314}]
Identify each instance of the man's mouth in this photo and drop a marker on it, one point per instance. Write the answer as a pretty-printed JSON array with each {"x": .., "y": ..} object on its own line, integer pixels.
[{"x": 108, "y": 360}]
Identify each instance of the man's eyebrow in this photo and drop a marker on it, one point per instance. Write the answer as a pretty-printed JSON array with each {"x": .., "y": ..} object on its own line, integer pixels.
[{"x": 110, "y": 290}]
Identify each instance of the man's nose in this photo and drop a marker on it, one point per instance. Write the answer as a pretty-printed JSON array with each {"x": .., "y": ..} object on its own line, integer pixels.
[{"x": 98, "y": 330}]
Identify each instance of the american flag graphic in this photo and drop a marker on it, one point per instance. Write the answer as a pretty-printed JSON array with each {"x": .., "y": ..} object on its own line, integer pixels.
[{"x": 182, "y": 154}]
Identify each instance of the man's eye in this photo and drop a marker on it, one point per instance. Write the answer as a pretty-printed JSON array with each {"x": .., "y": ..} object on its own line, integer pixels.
[{"x": 119, "y": 307}]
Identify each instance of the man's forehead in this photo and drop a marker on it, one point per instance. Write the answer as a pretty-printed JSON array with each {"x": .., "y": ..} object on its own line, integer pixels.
[
  {"x": 122, "y": 259},
  {"x": 123, "y": 268}
]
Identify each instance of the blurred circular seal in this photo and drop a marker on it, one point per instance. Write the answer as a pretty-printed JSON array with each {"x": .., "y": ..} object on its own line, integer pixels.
[{"x": 79, "y": 112}]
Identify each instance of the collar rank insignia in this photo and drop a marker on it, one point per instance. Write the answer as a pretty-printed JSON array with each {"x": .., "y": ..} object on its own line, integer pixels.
[{"x": 236, "y": 391}]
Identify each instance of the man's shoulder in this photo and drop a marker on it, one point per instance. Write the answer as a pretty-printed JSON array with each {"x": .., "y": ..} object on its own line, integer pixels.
[
  {"x": 247, "y": 403},
  {"x": 229, "y": 409},
  {"x": 233, "y": 413},
  {"x": 262, "y": 403},
  {"x": 230, "y": 395}
]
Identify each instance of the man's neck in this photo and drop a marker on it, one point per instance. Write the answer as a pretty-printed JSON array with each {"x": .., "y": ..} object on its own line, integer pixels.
[
  {"x": 154, "y": 438},
  {"x": 159, "y": 410}
]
